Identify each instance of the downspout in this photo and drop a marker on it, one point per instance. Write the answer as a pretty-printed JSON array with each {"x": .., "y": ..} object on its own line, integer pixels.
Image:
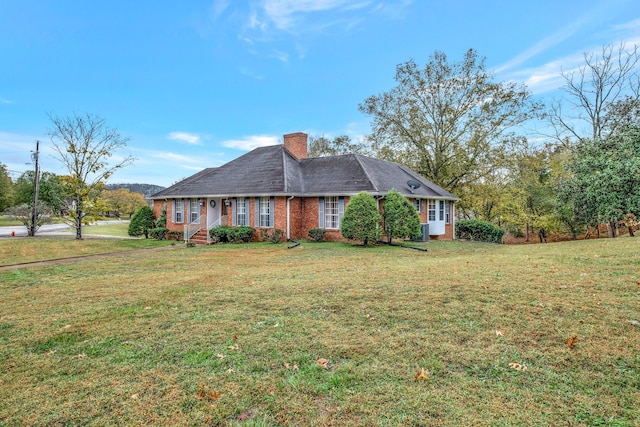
[{"x": 289, "y": 218}]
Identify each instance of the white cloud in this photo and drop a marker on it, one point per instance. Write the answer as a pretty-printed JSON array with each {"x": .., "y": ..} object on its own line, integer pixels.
[
  {"x": 188, "y": 138},
  {"x": 251, "y": 142}
]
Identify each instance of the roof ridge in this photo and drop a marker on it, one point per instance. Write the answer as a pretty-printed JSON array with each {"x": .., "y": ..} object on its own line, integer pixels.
[{"x": 364, "y": 169}]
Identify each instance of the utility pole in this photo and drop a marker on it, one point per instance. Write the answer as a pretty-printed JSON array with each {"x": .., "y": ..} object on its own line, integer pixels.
[{"x": 36, "y": 179}]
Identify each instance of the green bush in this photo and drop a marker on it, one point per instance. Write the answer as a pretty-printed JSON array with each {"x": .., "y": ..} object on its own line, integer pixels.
[
  {"x": 361, "y": 220},
  {"x": 475, "y": 229},
  {"x": 220, "y": 234},
  {"x": 224, "y": 234},
  {"x": 159, "y": 233},
  {"x": 141, "y": 222},
  {"x": 317, "y": 234}
]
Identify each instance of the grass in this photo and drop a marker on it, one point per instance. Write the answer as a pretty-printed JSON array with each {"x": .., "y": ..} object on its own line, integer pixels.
[
  {"x": 235, "y": 335},
  {"x": 18, "y": 250},
  {"x": 115, "y": 229}
]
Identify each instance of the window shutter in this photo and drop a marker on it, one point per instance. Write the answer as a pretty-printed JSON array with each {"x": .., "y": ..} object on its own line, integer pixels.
[
  {"x": 340, "y": 210},
  {"x": 423, "y": 205},
  {"x": 272, "y": 212},
  {"x": 256, "y": 211},
  {"x": 234, "y": 212},
  {"x": 320, "y": 212},
  {"x": 173, "y": 210}
]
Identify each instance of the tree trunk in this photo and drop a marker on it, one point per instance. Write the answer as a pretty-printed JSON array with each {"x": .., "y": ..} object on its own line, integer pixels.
[
  {"x": 611, "y": 229},
  {"x": 630, "y": 231},
  {"x": 78, "y": 219}
]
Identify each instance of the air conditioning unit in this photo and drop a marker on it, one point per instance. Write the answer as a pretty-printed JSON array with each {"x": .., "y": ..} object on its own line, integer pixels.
[{"x": 425, "y": 233}]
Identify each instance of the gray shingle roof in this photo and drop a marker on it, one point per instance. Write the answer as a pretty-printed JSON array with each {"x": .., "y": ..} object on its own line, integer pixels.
[{"x": 273, "y": 171}]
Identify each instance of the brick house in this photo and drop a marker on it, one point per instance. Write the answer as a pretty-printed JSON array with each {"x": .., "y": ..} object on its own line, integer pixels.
[{"x": 279, "y": 187}]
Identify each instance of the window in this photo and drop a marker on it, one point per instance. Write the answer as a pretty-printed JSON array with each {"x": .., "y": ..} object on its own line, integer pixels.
[
  {"x": 417, "y": 203},
  {"x": 441, "y": 210},
  {"x": 194, "y": 211},
  {"x": 447, "y": 210},
  {"x": 265, "y": 212},
  {"x": 178, "y": 210},
  {"x": 241, "y": 211},
  {"x": 331, "y": 218},
  {"x": 432, "y": 210},
  {"x": 330, "y": 211}
]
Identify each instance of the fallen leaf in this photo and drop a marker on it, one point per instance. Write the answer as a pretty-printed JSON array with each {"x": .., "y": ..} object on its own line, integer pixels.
[
  {"x": 67, "y": 326},
  {"x": 214, "y": 395},
  {"x": 235, "y": 347},
  {"x": 571, "y": 342},
  {"x": 220, "y": 356},
  {"x": 323, "y": 362},
  {"x": 134, "y": 396},
  {"x": 517, "y": 366},
  {"x": 499, "y": 333},
  {"x": 230, "y": 371},
  {"x": 201, "y": 391},
  {"x": 50, "y": 352},
  {"x": 421, "y": 374},
  {"x": 235, "y": 338},
  {"x": 80, "y": 356}
]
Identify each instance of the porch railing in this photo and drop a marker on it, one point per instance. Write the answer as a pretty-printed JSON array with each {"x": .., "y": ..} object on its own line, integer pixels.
[
  {"x": 191, "y": 229},
  {"x": 216, "y": 223}
]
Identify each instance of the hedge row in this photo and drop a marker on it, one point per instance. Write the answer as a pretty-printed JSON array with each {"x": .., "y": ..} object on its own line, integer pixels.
[{"x": 475, "y": 229}]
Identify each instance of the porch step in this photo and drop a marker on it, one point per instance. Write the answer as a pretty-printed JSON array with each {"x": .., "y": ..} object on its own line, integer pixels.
[{"x": 200, "y": 238}]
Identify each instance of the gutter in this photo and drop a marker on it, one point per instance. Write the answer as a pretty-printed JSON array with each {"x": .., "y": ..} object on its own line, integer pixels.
[{"x": 289, "y": 218}]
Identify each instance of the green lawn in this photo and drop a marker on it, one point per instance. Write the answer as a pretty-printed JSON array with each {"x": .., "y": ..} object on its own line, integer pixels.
[{"x": 326, "y": 334}]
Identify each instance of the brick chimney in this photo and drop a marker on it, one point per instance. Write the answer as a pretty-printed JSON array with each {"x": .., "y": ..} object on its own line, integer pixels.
[{"x": 296, "y": 145}]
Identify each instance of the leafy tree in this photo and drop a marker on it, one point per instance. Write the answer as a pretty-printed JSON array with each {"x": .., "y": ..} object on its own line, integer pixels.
[
  {"x": 51, "y": 192},
  {"x": 122, "y": 201},
  {"x": 361, "y": 220},
  {"x": 449, "y": 121},
  {"x": 24, "y": 214},
  {"x": 603, "y": 96},
  {"x": 322, "y": 146},
  {"x": 84, "y": 145},
  {"x": 401, "y": 219},
  {"x": 605, "y": 186},
  {"x": 6, "y": 188},
  {"x": 141, "y": 222}
]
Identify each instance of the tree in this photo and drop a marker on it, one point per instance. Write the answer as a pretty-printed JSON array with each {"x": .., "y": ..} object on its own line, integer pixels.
[
  {"x": 84, "y": 146},
  {"x": 322, "y": 146},
  {"x": 141, "y": 222},
  {"x": 603, "y": 96},
  {"x": 6, "y": 188},
  {"x": 605, "y": 185},
  {"x": 361, "y": 220},
  {"x": 51, "y": 192},
  {"x": 24, "y": 214},
  {"x": 122, "y": 201},
  {"x": 448, "y": 121},
  {"x": 401, "y": 219}
]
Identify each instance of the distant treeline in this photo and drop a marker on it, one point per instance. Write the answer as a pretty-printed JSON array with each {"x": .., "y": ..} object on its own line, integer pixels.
[{"x": 146, "y": 189}]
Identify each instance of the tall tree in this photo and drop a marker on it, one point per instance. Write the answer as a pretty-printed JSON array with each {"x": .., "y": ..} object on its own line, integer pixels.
[
  {"x": 84, "y": 145},
  {"x": 321, "y": 146},
  {"x": 6, "y": 188},
  {"x": 51, "y": 192},
  {"x": 602, "y": 96},
  {"x": 605, "y": 186},
  {"x": 449, "y": 120}
]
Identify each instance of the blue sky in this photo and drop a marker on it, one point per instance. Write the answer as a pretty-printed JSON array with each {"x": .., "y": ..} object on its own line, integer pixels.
[{"x": 197, "y": 83}]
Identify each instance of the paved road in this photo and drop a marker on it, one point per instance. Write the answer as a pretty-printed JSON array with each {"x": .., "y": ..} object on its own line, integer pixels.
[{"x": 21, "y": 230}]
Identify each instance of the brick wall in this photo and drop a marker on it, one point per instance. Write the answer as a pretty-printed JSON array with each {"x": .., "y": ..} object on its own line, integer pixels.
[{"x": 296, "y": 144}]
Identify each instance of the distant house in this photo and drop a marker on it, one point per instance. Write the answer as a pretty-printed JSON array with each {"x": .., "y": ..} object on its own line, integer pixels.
[{"x": 279, "y": 187}]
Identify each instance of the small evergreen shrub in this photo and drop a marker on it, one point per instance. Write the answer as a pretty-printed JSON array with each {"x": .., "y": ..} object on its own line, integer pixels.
[
  {"x": 159, "y": 233},
  {"x": 475, "y": 229},
  {"x": 220, "y": 234},
  {"x": 224, "y": 234},
  {"x": 317, "y": 234},
  {"x": 141, "y": 222}
]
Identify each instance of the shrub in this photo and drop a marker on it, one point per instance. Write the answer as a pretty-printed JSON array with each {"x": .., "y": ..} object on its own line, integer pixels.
[
  {"x": 317, "y": 234},
  {"x": 475, "y": 229},
  {"x": 242, "y": 234},
  {"x": 141, "y": 222},
  {"x": 224, "y": 234},
  {"x": 401, "y": 219},
  {"x": 361, "y": 220},
  {"x": 159, "y": 233},
  {"x": 220, "y": 234}
]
